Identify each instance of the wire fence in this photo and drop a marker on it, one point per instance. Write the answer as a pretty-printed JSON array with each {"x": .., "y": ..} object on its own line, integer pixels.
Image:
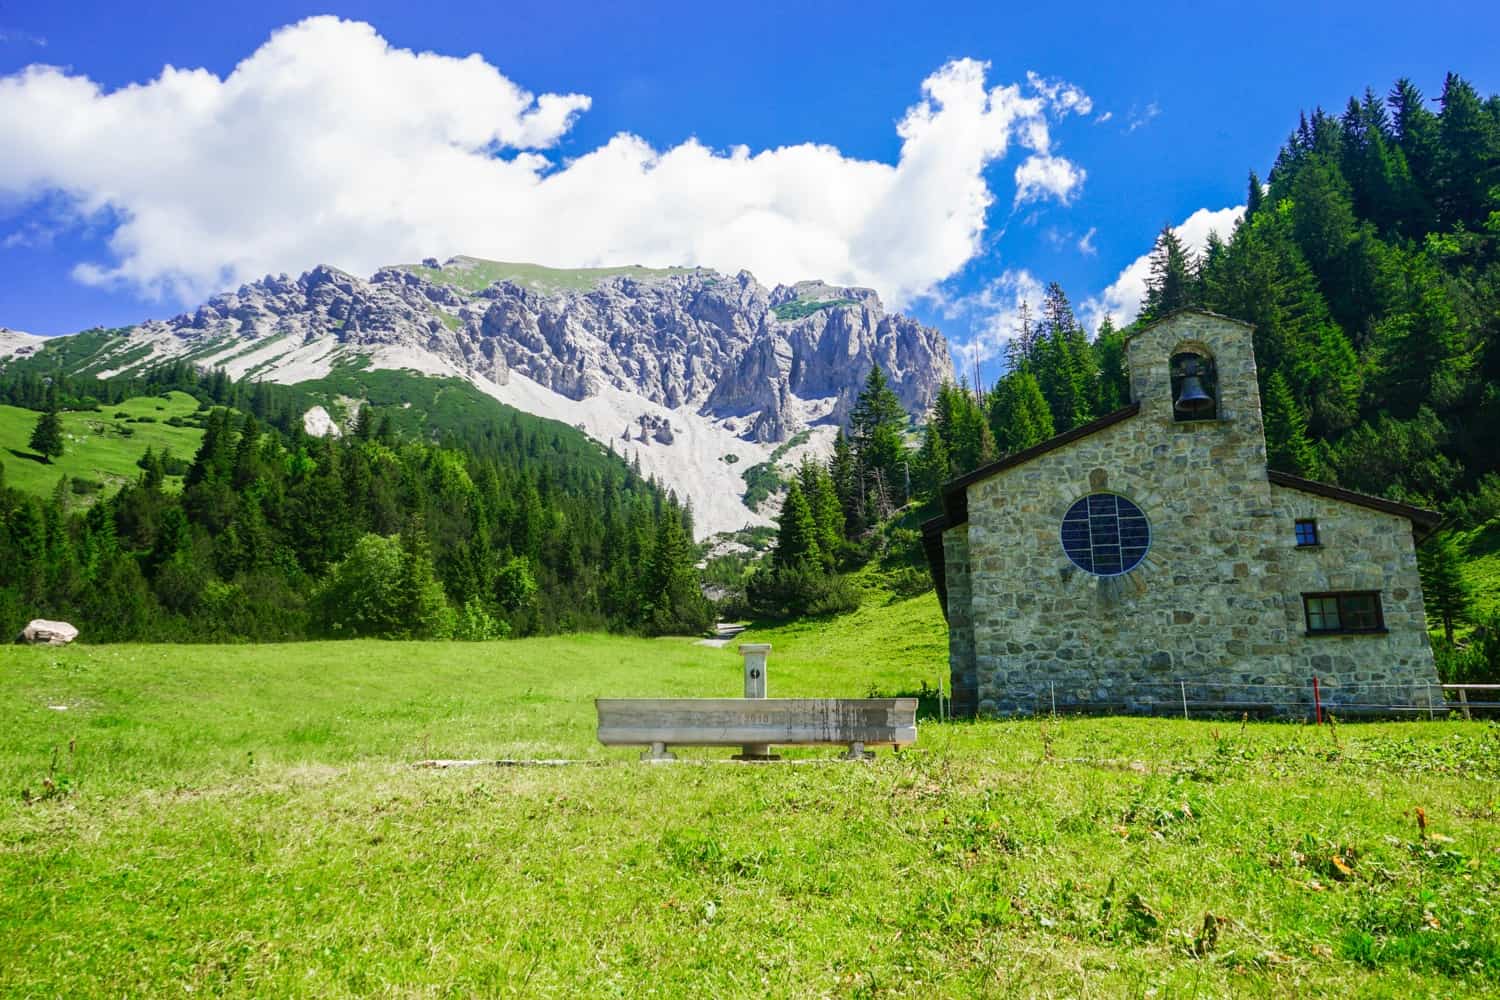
[{"x": 1315, "y": 699}]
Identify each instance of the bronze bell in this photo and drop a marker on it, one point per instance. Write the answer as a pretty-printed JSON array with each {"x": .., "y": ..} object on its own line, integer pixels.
[{"x": 1193, "y": 397}]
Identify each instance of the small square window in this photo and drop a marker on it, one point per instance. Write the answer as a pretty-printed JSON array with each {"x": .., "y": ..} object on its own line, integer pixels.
[{"x": 1307, "y": 533}]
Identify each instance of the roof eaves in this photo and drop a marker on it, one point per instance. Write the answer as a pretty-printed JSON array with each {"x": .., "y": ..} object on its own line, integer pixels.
[{"x": 1424, "y": 521}]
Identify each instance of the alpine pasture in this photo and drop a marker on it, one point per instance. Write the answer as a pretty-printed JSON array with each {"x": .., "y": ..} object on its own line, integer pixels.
[{"x": 247, "y": 820}]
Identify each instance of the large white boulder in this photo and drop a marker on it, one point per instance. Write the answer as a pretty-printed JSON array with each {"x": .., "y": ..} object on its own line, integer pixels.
[{"x": 40, "y": 632}]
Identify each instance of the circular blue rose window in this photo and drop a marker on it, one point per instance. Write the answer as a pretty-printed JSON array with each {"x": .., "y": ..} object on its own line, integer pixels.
[{"x": 1105, "y": 534}]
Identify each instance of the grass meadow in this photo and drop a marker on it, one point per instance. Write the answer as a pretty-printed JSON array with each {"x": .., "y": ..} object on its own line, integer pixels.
[
  {"x": 102, "y": 446},
  {"x": 243, "y": 820}
]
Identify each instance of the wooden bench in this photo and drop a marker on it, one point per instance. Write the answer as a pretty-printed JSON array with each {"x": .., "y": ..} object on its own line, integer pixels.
[{"x": 756, "y": 724}]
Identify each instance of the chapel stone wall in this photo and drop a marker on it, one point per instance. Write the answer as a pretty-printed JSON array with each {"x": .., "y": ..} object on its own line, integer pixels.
[{"x": 1214, "y": 610}]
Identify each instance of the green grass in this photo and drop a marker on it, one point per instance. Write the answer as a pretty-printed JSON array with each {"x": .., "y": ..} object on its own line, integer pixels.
[
  {"x": 474, "y": 274},
  {"x": 449, "y": 320},
  {"x": 1481, "y": 550},
  {"x": 800, "y": 308},
  {"x": 765, "y": 478},
  {"x": 244, "y": 820},
  {"x": 96, "y": 445},
  {"x": 761, "y": 480}
]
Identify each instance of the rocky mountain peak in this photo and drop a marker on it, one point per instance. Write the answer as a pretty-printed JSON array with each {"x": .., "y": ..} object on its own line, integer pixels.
[{"x": 693, "y": 358}]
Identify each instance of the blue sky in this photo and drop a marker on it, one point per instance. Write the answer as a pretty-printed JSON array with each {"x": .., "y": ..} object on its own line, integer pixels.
[{"x": 110, "y": 212}]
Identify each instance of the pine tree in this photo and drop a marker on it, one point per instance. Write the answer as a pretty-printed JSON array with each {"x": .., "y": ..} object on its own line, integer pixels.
[
  {"x": 1254, "y": 195},
  {"x": 877, "y": 429},
  {"x": 828, "y": 513},
  {"x": 1288, "y": 447},
  {"x": 423, "y": 608},
  {"x": 797, "y": 531},
  {"x": 1467, "y": 167},
  {"x": 932, "y": 460},
  {"x": 1170, "y": 285},
  {"x": 673, "y": 601},
  {"x": 46, "y": 436},
  {"x": 843, "y": 468},
  {"x": 1019, "y": 415},
  {"x": 1448, "y": 595}
]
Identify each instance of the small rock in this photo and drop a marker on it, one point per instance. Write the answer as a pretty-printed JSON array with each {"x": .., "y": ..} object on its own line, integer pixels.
[{"x": 40, "y": 632}]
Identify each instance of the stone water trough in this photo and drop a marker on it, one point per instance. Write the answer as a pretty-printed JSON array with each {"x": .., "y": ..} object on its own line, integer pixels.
[{"x": 756, "y": 723}]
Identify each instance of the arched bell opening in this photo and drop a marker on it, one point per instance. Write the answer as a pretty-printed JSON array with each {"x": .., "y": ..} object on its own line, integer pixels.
[{"x": 1195, "y": 386}]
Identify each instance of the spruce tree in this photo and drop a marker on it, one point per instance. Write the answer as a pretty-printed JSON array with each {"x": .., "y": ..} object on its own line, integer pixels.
[
  {"x": 1022, "y": 347},
  {"x": 797, "y": 531},
  {"x": 843, "y": 468},
  {"x": 1254, "y": 195},
  {"x": 673, "y": 601},
  {"x": 46, "y": 436},
  {"x": 1288, "y": 447},
  {"x": 828, "y": 514},
  {"x": 364, "y": 423},
  {"x": 1170, "y": 285},
  {"x": 1416, "y": 133},
  {"x": 877, "y": 429},
  {"x": 932, "y": 460},
  {"x": 1467, "y": 167},
  {"x": 1112, "y": 389},
  {"x": 423, "y": 608},
  {"x": 1448, "y": 595},
  {"x": 1064, "y": 364},
  {"x": 1019, "y": 415}
]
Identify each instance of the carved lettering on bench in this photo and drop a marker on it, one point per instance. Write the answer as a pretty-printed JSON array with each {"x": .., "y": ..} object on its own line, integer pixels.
[{"x": 772, "y": 721}]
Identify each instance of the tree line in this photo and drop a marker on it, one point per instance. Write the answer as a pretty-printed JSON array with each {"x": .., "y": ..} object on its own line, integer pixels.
[{"x": 516, "y": 528}]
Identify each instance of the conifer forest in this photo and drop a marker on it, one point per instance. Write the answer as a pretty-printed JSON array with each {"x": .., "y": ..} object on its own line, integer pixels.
[{"x": 1368, "y": 260}]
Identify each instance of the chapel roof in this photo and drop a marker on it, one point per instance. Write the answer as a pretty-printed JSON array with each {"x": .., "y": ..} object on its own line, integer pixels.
[
  {"x": 956, "y": 490},
  {"x": 1424, "y": 522}
]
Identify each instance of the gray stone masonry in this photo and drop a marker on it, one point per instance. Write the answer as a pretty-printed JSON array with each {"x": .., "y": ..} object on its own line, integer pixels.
[{"x": 1216, "y": 605}]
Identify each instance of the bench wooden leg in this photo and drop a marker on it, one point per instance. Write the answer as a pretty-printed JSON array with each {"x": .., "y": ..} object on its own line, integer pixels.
[
  {"x": 857, "y": 751},
  {"x": 658, "y": 751}
]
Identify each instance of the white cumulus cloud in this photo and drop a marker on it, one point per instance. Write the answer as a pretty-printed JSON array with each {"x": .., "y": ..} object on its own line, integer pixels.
[
  {"x": 994, "y": 314},
  {"x": 1121, "y": 300},
  {"x": 328, "y": 145},
  {"x": 1040, "y": 177}
]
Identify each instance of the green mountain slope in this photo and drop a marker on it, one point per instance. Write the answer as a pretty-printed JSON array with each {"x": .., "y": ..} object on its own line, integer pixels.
[
  {"x": 99, "y": 447},
  {"x": 474, "y": 273},
  {"x": 1481, "y": 550}
]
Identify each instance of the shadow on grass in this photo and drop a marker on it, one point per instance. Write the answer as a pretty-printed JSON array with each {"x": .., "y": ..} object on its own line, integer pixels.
[
  {"x": 927, "y": 700},
  {"x": 29, "y": 456}
]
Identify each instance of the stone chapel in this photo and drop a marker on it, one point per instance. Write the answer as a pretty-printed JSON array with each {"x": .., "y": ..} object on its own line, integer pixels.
[{"x": 1150, "y": 557}]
